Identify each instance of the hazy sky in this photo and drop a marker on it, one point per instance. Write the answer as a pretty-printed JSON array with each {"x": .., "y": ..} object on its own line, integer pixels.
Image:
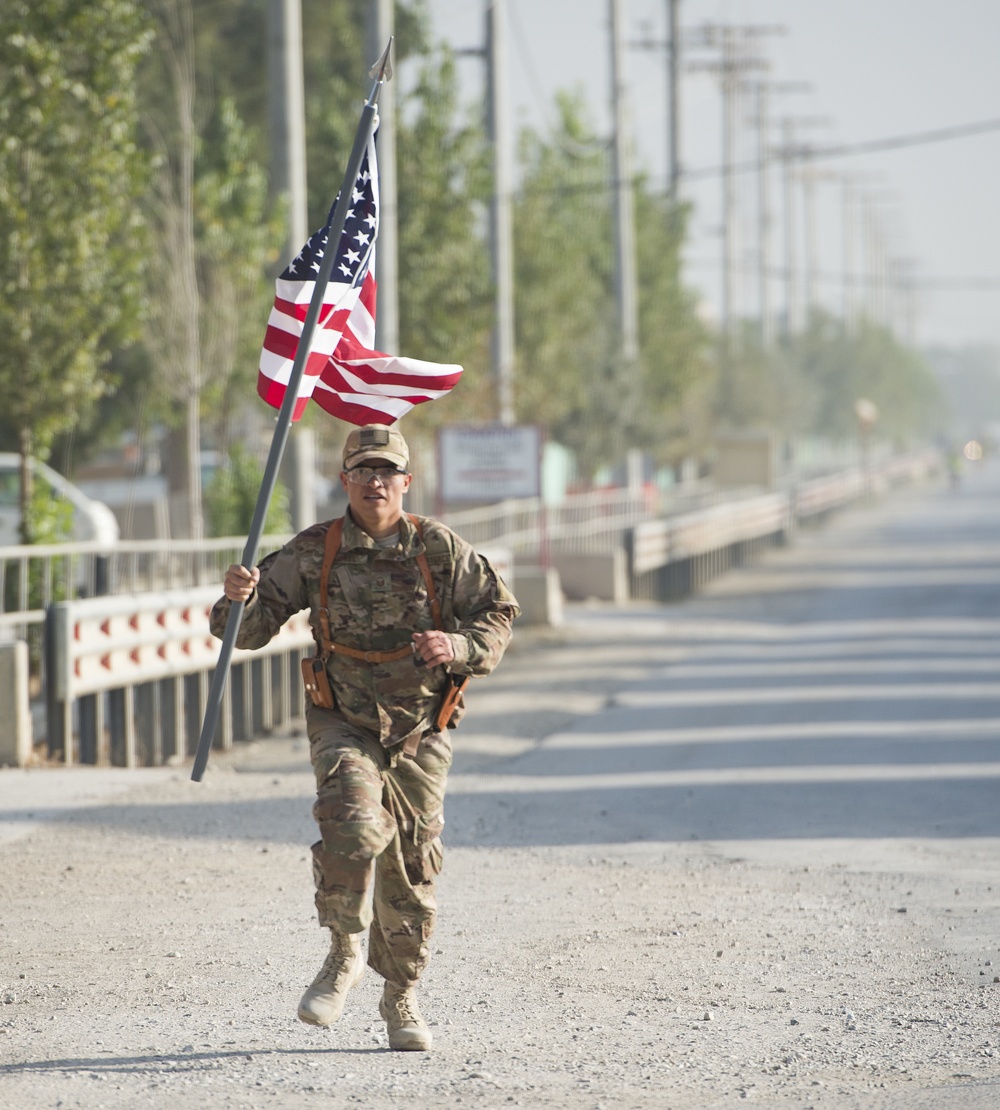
[{"x": 876, "y": 69}]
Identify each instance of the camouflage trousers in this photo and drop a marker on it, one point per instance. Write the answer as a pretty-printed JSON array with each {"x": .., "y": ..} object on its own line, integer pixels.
[{"x": 380, "y": 817}]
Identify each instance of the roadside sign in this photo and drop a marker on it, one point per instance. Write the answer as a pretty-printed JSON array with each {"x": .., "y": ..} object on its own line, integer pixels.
[{"x": 491, "y": 462}]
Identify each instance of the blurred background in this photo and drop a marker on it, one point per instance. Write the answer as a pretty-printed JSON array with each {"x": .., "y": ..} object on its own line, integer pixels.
[{"x": 671, "y": 237}]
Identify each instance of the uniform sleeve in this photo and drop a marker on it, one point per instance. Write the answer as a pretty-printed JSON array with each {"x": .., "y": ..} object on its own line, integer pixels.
[
  {"x": 280, "y": 593},
  {"x": 484, "y": 610}
]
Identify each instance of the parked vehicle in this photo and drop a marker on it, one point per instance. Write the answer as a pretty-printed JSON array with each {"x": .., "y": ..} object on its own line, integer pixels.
[{"x": 92, "y": 520}]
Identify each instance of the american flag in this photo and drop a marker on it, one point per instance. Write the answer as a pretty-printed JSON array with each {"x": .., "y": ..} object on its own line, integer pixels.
[{"x": 344, "y": 374}]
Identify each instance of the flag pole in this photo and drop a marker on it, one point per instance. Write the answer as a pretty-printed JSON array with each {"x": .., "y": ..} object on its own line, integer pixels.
[{"x": 380, "y": 72}]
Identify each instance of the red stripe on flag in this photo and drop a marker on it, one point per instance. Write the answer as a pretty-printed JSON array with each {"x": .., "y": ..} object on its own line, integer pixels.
[
  {"x": 353, "y": 413},
  {"x": 370, "y": 379},
  {"x": 280, "y": 342},
  {"x": 374, "y": 375},
  {"x": 274, "y": 394}
]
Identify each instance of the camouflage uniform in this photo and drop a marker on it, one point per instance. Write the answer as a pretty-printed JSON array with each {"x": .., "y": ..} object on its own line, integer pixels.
[{"x": 378, "y": 811}]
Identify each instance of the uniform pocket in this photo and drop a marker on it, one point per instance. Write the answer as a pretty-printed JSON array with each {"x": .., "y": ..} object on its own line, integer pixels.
[
  {"x": 423, "y": 855},
  {"x": 427, "y": 827},
  {"x": 325, "y": 761}
]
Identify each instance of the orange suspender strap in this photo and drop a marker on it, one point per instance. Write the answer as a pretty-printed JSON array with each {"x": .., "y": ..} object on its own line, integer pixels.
[
  {"x": 425, "y": 570},
  {"x": 330, "y": 548}
]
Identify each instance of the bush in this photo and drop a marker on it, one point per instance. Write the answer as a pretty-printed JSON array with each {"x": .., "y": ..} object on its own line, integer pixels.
[{"x": 231, "y": 497}]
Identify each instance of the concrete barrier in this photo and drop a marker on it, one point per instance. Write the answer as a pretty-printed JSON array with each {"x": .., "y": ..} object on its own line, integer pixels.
[
  {"x": 603, "y": 577},
  {"x": 539, "y": 594},
  {"x": 15, "y": 729}
]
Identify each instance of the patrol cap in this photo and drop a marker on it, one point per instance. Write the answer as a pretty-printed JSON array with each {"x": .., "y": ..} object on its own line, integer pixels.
[{"x": 376, "y": 441}]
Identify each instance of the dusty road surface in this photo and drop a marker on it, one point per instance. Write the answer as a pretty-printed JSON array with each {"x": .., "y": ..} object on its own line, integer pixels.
[{"x": 741, "y": 850}]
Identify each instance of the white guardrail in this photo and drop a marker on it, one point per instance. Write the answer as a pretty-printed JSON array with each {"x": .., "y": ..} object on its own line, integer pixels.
[
  {"x": 658, "y": 542},
  {"x": 151, "y": 640}
]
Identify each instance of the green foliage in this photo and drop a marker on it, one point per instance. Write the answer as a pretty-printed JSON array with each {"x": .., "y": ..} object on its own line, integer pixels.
[
  {"x": 237, "y": 231},
  {"x": 564, "y": 315},
  {"x": 673, "y": 341},
  {"x": 49, "y": 520},
  {"x": 50, "y": 516},
  {"x": 970, "y": 380},
  {"x": 761, "y": 387},
  {"x": 445, "y": 302},
  {"x": 336, "y": 59},
  {"x": 842, "y": 366},
  {"x": 809, "y": 384},
  {"x": 569, "y": 374},
  {"x": 232, "y": 496},
  {"x": 71, "y": 91},
  {"x": 123, "y": 411},
  {"x": 71, "y": 247}
]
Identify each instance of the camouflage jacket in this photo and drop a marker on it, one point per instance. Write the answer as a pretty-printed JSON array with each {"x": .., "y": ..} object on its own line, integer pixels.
[{"x": 377, "y": 598}]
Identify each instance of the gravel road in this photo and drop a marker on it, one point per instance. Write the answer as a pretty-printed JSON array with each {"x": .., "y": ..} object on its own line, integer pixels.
[{"x": 739, "y": 850}]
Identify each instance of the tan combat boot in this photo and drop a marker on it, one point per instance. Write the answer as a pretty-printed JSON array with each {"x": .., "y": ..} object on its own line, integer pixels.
[
  {"x": 342, "y": 969},
  {"x": 407, "y": 1030}
]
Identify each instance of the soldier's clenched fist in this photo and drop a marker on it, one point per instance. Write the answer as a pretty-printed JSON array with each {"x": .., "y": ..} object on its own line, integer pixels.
[{"x": 239, "y": 582}]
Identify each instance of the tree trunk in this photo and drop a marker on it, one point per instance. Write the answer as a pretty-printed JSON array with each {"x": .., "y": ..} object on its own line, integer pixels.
[{"x": 27, "y": 486}]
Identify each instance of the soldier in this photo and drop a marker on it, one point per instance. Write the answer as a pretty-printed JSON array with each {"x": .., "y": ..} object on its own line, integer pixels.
[{"x": 403, "y": 611}]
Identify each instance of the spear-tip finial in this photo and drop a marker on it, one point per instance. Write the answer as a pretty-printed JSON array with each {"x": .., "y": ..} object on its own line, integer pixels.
[{"x": 382, "y": 69}]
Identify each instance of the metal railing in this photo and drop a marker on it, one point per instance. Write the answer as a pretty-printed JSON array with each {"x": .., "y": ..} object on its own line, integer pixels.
[
  {"x": 584, "y": 522},
  {"x": 33, "y": 577},
  {"x": 126, "y": 675}
]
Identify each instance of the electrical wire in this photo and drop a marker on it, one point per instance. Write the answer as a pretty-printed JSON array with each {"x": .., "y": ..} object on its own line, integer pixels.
[
  {"x": 805, "y": 153},
  {"x": 568, "y": 146},
  {"x": 936, "y": 284}
]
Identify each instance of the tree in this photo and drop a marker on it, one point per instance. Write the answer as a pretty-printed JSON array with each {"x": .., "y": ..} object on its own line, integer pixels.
[
  {"x": 216, "y": 235},
  {"x": 970, "y": 379},
  {"x": 238, "y": 233},
  {"x": 442, "y": 182},
  {"x": 71, "y": 249},
  {"x": 564, "y": 309},
  {"x": 445, "y": 303},
  {"x": 568, "y": 373},
  {"x": 843, "y": 365},
  {"x": 672, "y": 339}
]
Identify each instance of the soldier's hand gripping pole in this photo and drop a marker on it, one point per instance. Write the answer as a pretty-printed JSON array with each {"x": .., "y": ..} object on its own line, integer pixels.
[{"x": 381, "y": 72}]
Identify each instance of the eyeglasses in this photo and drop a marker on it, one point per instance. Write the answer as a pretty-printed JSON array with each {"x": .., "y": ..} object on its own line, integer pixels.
[{"x": 362, "y": 475}]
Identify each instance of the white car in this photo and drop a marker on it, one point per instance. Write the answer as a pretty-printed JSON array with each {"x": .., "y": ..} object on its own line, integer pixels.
[{"x": 92, "y": 520}]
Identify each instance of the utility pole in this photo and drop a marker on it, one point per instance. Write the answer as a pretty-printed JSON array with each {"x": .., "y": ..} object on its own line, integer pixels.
[
  {"x": 875, "y": 262},
  {"x": 286, "y": 116},
  {"x": 672, "y": 45},
  {"x": 788, "y": 190},
  {"x": 847, "y": 248},
  {"x": 500, "y": 211},
  {"x": 673, "y": 100},
  {"x": 765, "y": 220},
  {"x": 790, "y": 152},
  {"x": 763, "y": 217},
  {"x": 625, "y": 278},
  {"x": 380, "y": 25},
  {"x": 734, "y": 63},
  {"x": 906, "y": 294},
  {"x": 287, "y": 131},
  {"x": 730, "y": 86},
  {"x": 809, "y": 238},
  {"x": 625, "y": 397}
]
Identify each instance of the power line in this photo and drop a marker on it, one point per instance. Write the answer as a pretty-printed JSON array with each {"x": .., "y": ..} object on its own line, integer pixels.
[
  {"x": 814, "y": 153},
  {"x": 893, "y": 142},
  {"x": 933, "y": 284}
]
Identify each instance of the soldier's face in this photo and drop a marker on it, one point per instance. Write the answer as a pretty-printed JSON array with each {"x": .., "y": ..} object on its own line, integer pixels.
[{"x": 378, "y": 504}]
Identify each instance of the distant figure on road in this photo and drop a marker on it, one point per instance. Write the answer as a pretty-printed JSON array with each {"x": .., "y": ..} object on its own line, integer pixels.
[{"x": 403, "y": 611}]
